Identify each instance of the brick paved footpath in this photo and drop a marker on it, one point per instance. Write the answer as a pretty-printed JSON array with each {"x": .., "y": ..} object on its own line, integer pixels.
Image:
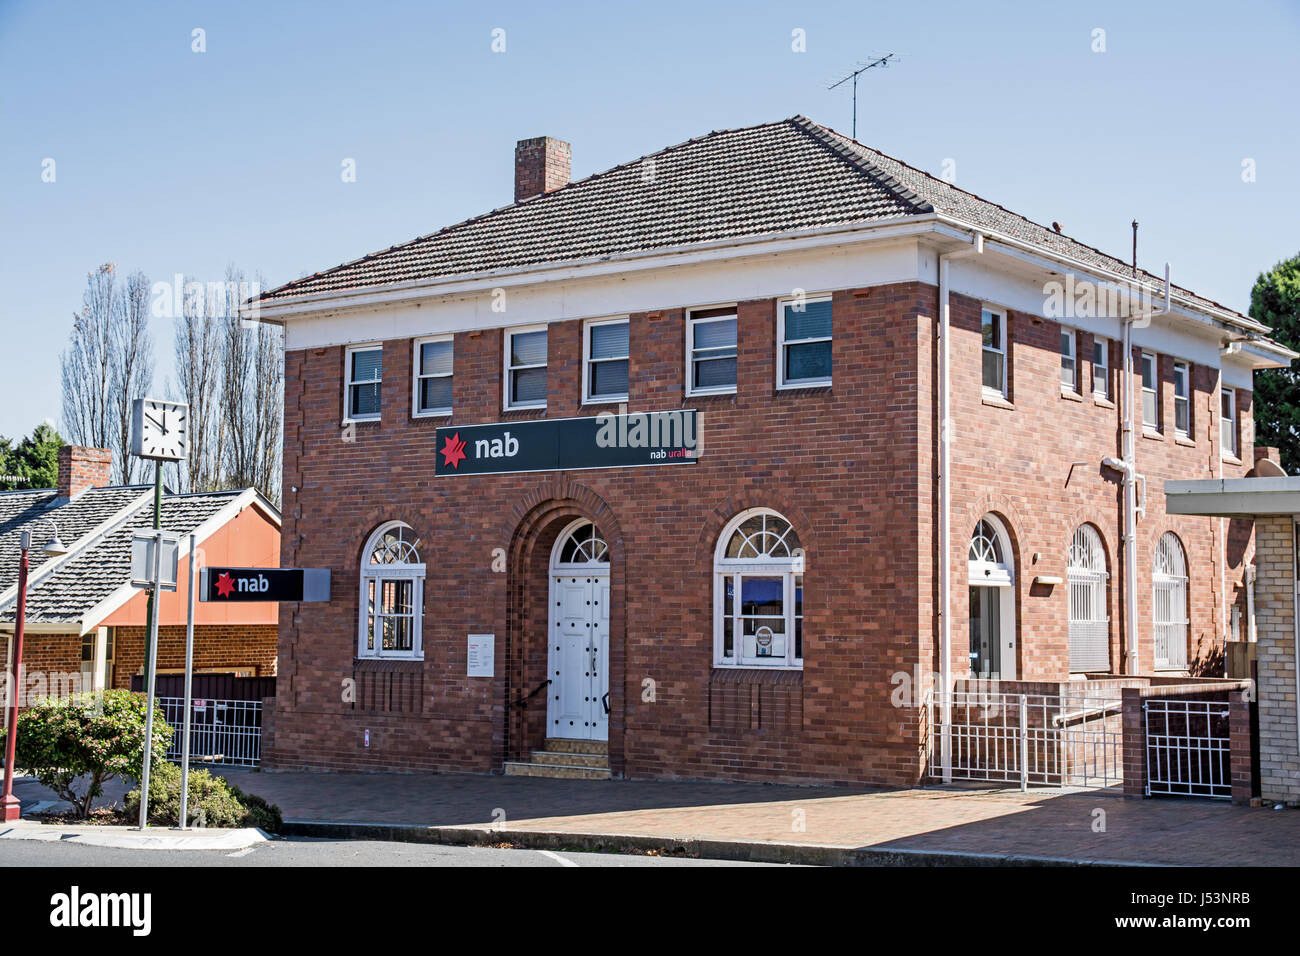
[{"x": 1041, "y": 823}]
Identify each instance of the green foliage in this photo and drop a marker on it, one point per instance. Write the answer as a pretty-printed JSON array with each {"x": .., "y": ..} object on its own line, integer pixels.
[
  {"x": 33, "y": 462},
  {"x": 213, "y": 802},
  {"x": 1275, "y": 301},
  {"x": 87, "y": 738}
]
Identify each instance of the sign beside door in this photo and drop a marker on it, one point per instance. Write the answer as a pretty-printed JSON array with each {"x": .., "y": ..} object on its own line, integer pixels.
[{"x": 479, "y": 661}]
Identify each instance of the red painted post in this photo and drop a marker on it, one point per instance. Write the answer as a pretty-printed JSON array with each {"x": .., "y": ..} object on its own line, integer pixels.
[{"x": 9, "y": 803}]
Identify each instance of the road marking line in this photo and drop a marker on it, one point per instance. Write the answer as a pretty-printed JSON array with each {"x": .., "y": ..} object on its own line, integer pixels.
[{"x": 557, "y": 858}]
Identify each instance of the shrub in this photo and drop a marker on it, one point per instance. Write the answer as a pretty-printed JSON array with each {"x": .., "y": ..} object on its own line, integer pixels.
[
  {"x": 214, "y": 802},
  {"x": 96, "y": 736}
]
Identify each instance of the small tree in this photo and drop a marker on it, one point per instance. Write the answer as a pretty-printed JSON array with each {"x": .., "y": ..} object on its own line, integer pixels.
[
  {"x": 33, "y": 462},
  {"x": 1275, "y": 301},
  {"x": 95, "y": 736}
]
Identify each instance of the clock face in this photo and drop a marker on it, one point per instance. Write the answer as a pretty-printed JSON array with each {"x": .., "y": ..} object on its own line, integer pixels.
[{"x": 160, "y": 429}]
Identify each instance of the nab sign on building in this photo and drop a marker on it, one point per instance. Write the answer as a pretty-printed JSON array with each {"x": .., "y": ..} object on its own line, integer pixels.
[{"x": 569, "y": 444}]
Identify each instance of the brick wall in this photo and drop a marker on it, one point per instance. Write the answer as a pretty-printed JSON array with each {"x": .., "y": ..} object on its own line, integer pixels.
[
  {"x": 1279, "y": 750},
  {"x": 234, "y": 646},
  {"x": 853, "y": 468}
]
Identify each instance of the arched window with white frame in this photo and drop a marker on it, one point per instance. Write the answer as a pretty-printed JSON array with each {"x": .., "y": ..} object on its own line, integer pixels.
[
  {"x": 1086, "y": 578},
  {"x": 392, "y": 594},
  {"x": 991, "y": 575},
  {"x": 758, "y": 593},
  {"x": 1169, "y": 610}
]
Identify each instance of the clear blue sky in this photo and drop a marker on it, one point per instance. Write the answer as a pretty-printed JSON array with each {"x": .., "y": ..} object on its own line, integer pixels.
[{"x": 172, "y": 161}]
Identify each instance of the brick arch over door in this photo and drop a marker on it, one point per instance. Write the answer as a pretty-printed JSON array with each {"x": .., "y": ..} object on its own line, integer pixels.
[{"x": 531, "y": 529}]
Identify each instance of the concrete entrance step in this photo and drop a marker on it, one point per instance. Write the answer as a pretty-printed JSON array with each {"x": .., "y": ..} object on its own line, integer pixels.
[
  {"x": 516, "y": 768},
  {"x": 556, "y": 758},
  {"x": 562, "y": 745}
]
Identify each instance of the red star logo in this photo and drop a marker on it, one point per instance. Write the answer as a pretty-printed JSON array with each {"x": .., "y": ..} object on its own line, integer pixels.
[
  {"x": 225, "y": 585},
  {"x": 453, "y": 452}
]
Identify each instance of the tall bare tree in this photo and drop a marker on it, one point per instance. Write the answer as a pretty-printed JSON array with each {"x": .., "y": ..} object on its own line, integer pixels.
[
  {"x": 108, "y": 364},
  {"x": 252, "y": 396},
  {"x": 199, "y": 341}
]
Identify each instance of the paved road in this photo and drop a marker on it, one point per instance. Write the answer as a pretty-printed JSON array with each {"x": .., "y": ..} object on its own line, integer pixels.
[{"x": 310, "y": 852}]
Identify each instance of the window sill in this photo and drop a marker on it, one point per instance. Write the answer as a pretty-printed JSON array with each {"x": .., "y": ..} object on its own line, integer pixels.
[
  {"x": 1232, "y": 460},
  {"x": 720, "y": 393},
  {"x": 387, "y": 662},
  {"x": 994, "y": 400},
  {"x": 753, "y": 673},
  {"x": 803, "y": 386},
  {"x": 440, "y": 413},
  {"x": 1184, "y": 441},
  {"x": 1103, "y": 402},
  {"x": 1071, "y": 396},
  {"x": 601, "y": 400},
  {"x": 1153, "y": 435},
  {"x": 362, "y": 421}
]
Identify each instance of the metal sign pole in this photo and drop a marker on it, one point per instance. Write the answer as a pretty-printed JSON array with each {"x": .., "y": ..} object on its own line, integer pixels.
[
  {"x": 151, "y": 674},
  {"x": 184, "y": 822}
]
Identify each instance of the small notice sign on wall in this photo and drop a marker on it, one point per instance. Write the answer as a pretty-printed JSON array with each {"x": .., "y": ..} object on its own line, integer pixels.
[{"x": 481, "y": 650}]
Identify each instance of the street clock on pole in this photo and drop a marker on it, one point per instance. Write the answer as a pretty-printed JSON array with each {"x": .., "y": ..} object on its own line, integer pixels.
[{"x": 160, "y": 429}]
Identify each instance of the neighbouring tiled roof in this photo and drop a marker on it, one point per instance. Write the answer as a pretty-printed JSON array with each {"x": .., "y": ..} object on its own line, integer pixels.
[
  {"x": 761, "y": 180},
  {"x": 75, "y": 518},
  {"x": 92, "y": 575}
]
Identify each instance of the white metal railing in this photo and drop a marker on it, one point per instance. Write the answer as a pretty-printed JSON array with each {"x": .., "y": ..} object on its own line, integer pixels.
[
  {"x": 225, "y": 732},
  {"x": 1188, "y": 748},
  {"x": 1027, "y": 739}
]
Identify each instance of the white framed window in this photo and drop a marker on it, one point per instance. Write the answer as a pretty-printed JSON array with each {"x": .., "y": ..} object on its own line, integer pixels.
[
  {"x": 1182, "y": 399},
  {"x": 758, "y": 593},
  {"x": 993, "y": 335},
  {"x": 1228, "y": 422},
  {"x": 1169, "y": 612},
  {"x": 1150, "y": 393},
  {"x": 363, "y": 382},
  {"x": 803, "y": 342},
  {"x": 392, "y": 594},
  {"x": 1101, "y": 368},
  {"x": 1069, "y": 360},
  {"x": 711, "y": 351},
  {"x": 525, "y": 363},
  {"x": 1086, "y": 577},
  {"x": 433, "y": 375},
  {"x": 605, "y": 361}
]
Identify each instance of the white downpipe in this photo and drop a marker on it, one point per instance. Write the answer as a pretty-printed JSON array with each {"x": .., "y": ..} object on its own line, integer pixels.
[
  {"x": 1130, "y": 504},
  {"x": 945, "y": 505}
]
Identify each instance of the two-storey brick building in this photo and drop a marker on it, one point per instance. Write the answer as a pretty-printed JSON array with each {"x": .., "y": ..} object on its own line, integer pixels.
[{"x": 892, "y": 397}]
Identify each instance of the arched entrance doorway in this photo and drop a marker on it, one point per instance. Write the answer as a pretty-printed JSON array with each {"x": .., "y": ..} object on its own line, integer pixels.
[
  {"x": 577, "y": 703},
  {"x": 992, "y": 602}
]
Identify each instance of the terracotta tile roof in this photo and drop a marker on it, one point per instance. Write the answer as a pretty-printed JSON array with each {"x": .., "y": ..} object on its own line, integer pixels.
[{"x": 740, "y": 183}]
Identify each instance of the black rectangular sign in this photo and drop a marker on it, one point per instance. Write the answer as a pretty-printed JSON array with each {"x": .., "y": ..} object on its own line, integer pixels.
[
  {"x": 227, "y": 585},
  {"x": 570, "y": 444}
]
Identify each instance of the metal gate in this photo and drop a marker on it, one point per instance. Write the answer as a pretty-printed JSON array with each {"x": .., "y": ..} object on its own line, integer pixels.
[
  {"x": 227, "y": 732},
  {"x": 1188, "y": 748},
  {"x": 1041, "y": 739}
]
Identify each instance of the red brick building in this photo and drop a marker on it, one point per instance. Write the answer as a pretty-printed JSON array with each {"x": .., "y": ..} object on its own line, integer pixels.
[
  {"x": 766, "y": 605},
  {"x": 85, "y": 622}
]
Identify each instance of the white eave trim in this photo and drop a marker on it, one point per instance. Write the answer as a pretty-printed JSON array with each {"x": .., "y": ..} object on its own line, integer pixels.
[{"x": 716, "y": 250}]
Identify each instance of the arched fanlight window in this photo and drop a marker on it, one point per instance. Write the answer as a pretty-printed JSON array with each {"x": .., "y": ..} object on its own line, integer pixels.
[
  {"x": 758, "y": 592},
  {"x": 1169, "y": 610},
  {"x": 581, "y": 545},
  {"x": 985, "y": 544},
  {"x": 392, "y": 594},
  {"x": 1089, "y": 622}
]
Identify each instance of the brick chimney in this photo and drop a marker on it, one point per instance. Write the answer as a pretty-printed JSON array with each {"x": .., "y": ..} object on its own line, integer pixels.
[
  {"x": 83, "y": 468},
  {"x": 541, "y": 166}
]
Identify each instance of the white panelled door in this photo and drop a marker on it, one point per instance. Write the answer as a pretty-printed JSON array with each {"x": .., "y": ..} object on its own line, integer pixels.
[{"x": 578, "y": 651}]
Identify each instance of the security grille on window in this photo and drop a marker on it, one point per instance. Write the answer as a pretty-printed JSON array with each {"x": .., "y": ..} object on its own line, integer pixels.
[
  {"x": 1089, "y": 622},
  {"x": 1101, "y": 368},
  {"x": 607, "y": 361},
  {"x": 805, "y": 342},
  {"x": 1069, "y": 361},
  {"x": 1169, "y": 613},
  {"x": 993, "y": 328},
  {"x": 1228, "y": 422},
  {"x": 526, "y": 368},
  {"x": 392, "y": 594},
  {"x": 433, "y": 376},
  {"x": 758, "y": 611},
  {"x": 711, "y": 351},
  {"x": 365, "y": 373},
  {"x": 1150, "y": 397},
  {"x": 1182, "y": 399}
]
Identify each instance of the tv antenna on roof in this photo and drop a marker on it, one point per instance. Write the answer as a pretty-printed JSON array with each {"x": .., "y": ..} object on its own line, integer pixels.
[{"x": 862, "y": 68}]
